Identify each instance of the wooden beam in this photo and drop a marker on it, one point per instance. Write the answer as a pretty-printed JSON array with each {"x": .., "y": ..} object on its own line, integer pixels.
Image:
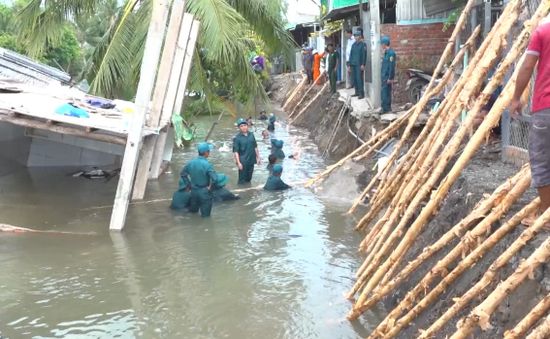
[
  {"x": 151, "y": 57},
  {"x": 176, "y": 27},
  {"x": 167, "y": 105},
  {"x": 44, "y": 125},
  {"x": 167, "y": 115}
]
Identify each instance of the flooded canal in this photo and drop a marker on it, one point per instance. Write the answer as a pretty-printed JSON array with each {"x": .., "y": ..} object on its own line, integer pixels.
[{"x": 271, "y": 265}]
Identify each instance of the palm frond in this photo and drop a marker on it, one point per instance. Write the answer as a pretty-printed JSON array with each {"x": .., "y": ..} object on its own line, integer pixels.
[{"x": 41, "y": 23}]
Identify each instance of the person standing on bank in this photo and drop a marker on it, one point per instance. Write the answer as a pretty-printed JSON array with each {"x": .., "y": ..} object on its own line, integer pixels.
[
  {"x": 333, "y": 58},
  {"x": 388, "y": 73},
  {"x": 357, "y": 60},
  {"x": 245, "y": 151},
  {"x": 538, "y": 53},
  {"x": 349, "y": 43},
  {"x": 200, "y": 175},
  {"x": 307, "y": 63}
]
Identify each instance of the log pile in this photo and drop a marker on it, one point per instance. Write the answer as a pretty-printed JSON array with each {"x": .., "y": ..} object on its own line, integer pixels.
[{"x": 405, "y": 196}]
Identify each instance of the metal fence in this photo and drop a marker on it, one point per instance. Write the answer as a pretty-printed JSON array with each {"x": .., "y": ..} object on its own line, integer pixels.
[{"x": 515, "y": 131}]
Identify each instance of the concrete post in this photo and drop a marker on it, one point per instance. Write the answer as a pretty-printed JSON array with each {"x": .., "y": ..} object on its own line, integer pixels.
[{"x": 376, "y": 69}]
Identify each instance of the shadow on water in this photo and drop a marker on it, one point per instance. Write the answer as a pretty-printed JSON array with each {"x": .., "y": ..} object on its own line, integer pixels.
[{"x": 271, "y": 265}]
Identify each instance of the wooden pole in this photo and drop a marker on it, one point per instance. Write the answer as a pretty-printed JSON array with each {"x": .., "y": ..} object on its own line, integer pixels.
[
  {"x": 164, "y": 77},
  {"x": 323, "y": 89},
  {"x": 462, "y": 266},
  {"x": 419, "y": 108},
  {"x": 151, "y": 57},
  {"x": 490, "y": 275},
  {"x": 541, "y": 332},
  {"x": 479, "y": 212},
  {"x": 529, "y": 320},
  {"x": 295, "y": 93},
  {"x": 480, "y": 316},
  {"x": 182, "y": 90},
  {"x": 449, "y": 152}
]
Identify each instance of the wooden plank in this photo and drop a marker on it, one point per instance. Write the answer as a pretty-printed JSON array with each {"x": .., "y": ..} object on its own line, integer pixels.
[
  {"x": 164, "y": 78},
  {"x": 151, "y": 57},
  {"x": 44, "y": 125},
  {"x": 167, "y": 61},
  {"x": 166, "y": 116}
]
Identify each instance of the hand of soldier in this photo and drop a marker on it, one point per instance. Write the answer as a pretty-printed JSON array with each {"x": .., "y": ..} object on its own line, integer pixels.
[
  {"x": 240, "y": 166},
  {"x": 362, "y": 67},
  {"x": 259, "y": 161}
]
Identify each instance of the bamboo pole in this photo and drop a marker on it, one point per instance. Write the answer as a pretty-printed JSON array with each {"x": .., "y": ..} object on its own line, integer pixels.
[
  {"x": 489, "y": 276},
  {"x": 467, "y": 241},
  {"x": 479, "y": 212},
  {"x": 323, "y": 89},
  {"x": 541, "y": 332},
  {"x": 463, "y": 266},
  {"x": 480, "y": 316},
  {"x": 450, "y": 150},
  {"x": 419, "y": 108},
  {"x": 529, "y": 320}
]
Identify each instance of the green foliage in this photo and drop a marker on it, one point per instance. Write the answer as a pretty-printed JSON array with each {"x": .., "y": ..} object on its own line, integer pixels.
[{"x": 65, "y": 55}]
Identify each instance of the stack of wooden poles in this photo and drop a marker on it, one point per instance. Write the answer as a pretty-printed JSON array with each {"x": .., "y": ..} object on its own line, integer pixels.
[{"x": 409, "y": 181}]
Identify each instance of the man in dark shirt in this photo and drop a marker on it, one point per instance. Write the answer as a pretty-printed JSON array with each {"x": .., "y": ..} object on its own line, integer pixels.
[{"x": 245, "y": 151}]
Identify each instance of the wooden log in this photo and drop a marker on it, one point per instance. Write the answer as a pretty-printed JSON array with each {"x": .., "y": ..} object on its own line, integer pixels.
[
  {"x": 295, "y": 93},
  {"x": 457, "y": 231},
  {"x": 450, "y": 150},
  {"x": 153, "y": 44},
  {"x": 480, "y": 316},
  {"x": 467, "y": 242},
  {"x": 176, "y": 28},
  {"x": 419, "y": 108},
  {"x": 372, "y": 143},
  {"x": 317, "y": 96},
  {"x": 160, "y": 146},
  {"x": 449, "y": 100},
  {"x": 462, "y": 267},
  {"x": 490, "y": 275},
  {"x": 460, "y": 24},
  {"x": 305, "y": 96},
  {"x": 541, "y": 332},
  {"x": 537, "y": 313}
]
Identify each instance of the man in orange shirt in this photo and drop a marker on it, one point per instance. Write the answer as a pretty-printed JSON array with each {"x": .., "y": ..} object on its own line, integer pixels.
[{"x": 317, "y": 64}]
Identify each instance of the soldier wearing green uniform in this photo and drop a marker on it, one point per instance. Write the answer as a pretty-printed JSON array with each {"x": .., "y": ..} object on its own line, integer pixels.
[
  {"x": 388, "y": 73},
  {"x": 219, "y": 192},
  {"x": 277, "y": 149},
  {"x": 357, "y": 60},
  {"x": 333, "y": 58},
  {"x": 274, "y": 182},
  {"x": 181, "y": 199},
  {"x": 200, "y": 175},
  {"x": 245, "y": 151}
]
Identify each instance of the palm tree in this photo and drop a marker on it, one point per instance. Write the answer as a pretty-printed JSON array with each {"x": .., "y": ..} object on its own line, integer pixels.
[{"x": 113, "y": 69}]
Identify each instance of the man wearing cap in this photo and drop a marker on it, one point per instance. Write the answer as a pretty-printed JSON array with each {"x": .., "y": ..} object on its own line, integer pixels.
[
  {"x": 357, "y": 60},
  {"x": 219, "y": 192},
  {"x": 245, "y": 151},
  {"x": 388, "y": 73},
  {"x": 200, "y": 174},
  {"x": 274, "y": 182},
  {"x": 349, "y": 43},
  {"x": 277, "y": 149}
]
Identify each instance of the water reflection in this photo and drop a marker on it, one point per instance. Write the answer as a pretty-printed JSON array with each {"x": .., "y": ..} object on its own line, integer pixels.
[{"x": 272, "y": 265}]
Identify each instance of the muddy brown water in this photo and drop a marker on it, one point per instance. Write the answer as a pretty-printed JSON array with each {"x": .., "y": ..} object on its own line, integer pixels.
[{"x": 272, "y": 265}]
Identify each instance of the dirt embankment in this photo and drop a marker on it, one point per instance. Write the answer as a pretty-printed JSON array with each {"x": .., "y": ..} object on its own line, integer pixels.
[{"x": 483, "y": 175}]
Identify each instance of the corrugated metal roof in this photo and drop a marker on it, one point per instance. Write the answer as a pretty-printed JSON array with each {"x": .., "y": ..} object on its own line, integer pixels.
[{"x": 17, "y": 67}]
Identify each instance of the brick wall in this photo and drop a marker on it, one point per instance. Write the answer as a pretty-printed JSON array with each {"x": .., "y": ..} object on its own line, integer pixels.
[{"x": 417, "y": 46}]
